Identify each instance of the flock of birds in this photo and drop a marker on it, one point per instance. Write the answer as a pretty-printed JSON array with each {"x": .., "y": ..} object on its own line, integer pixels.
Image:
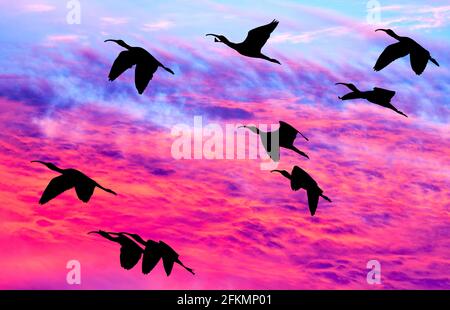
[{"x": 133, "y": 247}]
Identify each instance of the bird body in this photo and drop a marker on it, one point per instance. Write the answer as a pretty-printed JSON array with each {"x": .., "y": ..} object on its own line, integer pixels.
[
  {"x": 252, "y": 45},
  {"x": 379, "y": 96},
  {"x": 131, "y": 252},
  {"x": 70, "y": 178},
  {"x": 418, "y": 55},
  {"x": 146, "y": 65},
  {"x": 300, "y": 179},
  {"x": 284, "y": 137}
]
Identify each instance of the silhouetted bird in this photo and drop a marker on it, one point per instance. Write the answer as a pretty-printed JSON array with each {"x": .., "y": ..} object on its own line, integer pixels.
[
  {"x": 418, "y": 56},
  {"x": 84, "y": 186},
  {"x": 301, "y": 179},
  {"x": 378, "y": 96},
  {"x": 130, "y": 252},
  {"x": 146, "y": 65},
  {"x": 252, "y": 45},
  {"x": 286, "y": 136}
]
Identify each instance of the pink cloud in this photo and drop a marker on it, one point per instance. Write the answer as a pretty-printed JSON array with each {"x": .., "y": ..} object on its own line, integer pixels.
[{"x": 39, "y": 7}]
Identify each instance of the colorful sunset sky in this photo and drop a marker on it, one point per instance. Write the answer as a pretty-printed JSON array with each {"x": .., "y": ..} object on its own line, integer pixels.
[{"x": 237, "y": 226}]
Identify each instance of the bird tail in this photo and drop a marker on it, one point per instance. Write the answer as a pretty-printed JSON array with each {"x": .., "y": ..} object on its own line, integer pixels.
[
  {"x": 434, "y": 61},
  {"x": 167, "y": 69}
]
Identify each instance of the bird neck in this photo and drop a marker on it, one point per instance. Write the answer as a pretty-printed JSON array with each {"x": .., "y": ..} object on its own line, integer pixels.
[
  {"x": 125, "y": 45},
  {"x": 54, "y": 168},
  {"x": 228, "y": 43},
  {"x": 394, "y": 35},
  {"x": 50, "y": 166}
]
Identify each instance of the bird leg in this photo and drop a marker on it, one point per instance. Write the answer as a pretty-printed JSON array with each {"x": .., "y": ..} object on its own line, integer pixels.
[
  {"x": 434, "y": 61},
  {"x": 325, "y": 197},
  {"x": 185, "y": 267}
]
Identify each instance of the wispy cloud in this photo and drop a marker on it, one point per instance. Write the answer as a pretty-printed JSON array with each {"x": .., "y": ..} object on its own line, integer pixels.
[
  {"x": 160, "y": 25},
  {"x": 39, "y": 7},
  {"x": 416, "y": 16},
  {"x": 310, "y": 36},
  {"x": 63, "y": 38},
  {"x": 114, "y": 20}
]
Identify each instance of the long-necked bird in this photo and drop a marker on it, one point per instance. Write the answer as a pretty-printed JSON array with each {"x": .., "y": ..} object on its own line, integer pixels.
[
  {"x": 378, "y": 96},
  {"x": 131, "y": 252},
  {"x": 69, "y": 178},
  {"x": 301, "y": 179},
  {"x": 252, "y": 45},
  {"x": 286, "y": 136},
  {"x": 418, "y": 56},
  {"x": 146, "y": 65}
]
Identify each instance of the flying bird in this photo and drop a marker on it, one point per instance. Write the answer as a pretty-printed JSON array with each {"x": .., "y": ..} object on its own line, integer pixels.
[
  {"x": 285, "y": 134},
  {"x": 418, "y": 56},
  {"x": 131, "y": 252},
  {"x": 252, "y": 45},
  {"x": 69, "y": 178},
  {"x": 146, "y": 65},
  {"x": 301, "y": 179},
  {"x": 378, "y": 96}
]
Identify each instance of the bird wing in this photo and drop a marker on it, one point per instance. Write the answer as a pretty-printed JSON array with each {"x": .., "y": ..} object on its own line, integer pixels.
[
  {"x": 351, "y": 96},
  {"x": 56, "y": 186},
  {"x": 85, "y": 189},
  {"x": 419, "y": 59},
  {"x": 130, "y": 254},
  {"x": 300, "y": 179},
  {"x": 169, "y": 256},
  {"x": 122, "y": 63},
  {"x": 272, "y": 150},
  {"x": 168, "y": 265},
  {"x": 151, "y": 257},
  {"x": 287, "y": 133},
  {"x": 384, "y": 94},
  {"x": 144, "y": 73},
  {"x": 391, "y": 53},
  {"x": 256, "y": 38},
  {"x": 313, "y": 199}
]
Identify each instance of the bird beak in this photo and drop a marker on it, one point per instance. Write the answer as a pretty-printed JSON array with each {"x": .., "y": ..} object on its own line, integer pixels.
[
  {"x": 242, "y": 127},
  {"x": 216, "y": 39},
  {"x": 385, "y": 30},
  {"x": 93, "y": 232},
  {"x": 111, "y": 40},
  {"x": 276, "y": 171}
]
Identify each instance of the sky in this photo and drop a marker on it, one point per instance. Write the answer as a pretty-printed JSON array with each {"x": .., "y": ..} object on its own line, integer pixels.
[{"x": 236, "y": 225}]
